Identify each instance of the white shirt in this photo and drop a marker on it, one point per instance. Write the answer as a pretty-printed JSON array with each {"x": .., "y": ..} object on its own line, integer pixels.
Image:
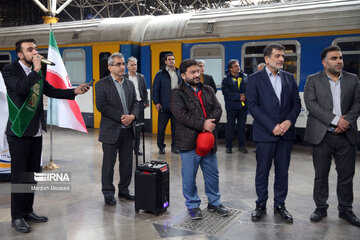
[
  {"x": 27, "y": 71},
  {"x": 275, "y": 82},
  {"x": 335, "y": 88},
  {"x": 136, "y": 84},
  {"x": 174, "y": 77}
]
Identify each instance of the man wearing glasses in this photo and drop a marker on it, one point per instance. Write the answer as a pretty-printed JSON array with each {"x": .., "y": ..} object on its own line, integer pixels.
[{"x": 116, "y": 101}]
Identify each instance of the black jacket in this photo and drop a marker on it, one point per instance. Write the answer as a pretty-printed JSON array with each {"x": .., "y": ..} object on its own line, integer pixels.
[
  {"x": 162, "y": 88},
  {"x": 18, "y": 87},
  {"x": 208, "y": 80},
  {"x": 189, "y": 116},
  {"x": 142, "y": 87}
]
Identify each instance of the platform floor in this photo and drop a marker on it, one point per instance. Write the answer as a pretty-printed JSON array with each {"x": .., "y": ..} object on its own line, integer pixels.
[{"x": 81, "y": 213}]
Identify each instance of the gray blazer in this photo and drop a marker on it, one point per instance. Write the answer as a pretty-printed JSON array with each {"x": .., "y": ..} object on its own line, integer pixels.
[
  {"x": 319, "y": 103},
  {"x": 108, "y": 103}
]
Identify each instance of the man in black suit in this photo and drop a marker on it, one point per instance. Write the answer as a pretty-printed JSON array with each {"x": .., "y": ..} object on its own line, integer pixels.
[
  {"x": 25, "y": 87},
  {"x": 332, "y": 97},
  {"x": 141, "y": 96},
  {"x": 116, "y": 101},
  {"x": 274, "y": 103},
  {"x": 205, "y": 78}
]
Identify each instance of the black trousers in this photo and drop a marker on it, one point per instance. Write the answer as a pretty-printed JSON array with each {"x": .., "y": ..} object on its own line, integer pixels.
[
  {"x": 344, "y": 154},
  {"x": 140, "y": 119},
  {"x": 25, "y": 158},
  {"x": 124, "y": 148},
  {"x": 231, "y": 117},
  {"x": 163, "y": 120}
]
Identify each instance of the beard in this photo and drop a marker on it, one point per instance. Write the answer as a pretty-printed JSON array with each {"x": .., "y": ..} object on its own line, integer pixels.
[{"x": 193, "y": 82}]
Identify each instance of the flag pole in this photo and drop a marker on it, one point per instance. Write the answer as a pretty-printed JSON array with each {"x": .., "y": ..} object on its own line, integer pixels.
[{"x": 51, "y": 165}]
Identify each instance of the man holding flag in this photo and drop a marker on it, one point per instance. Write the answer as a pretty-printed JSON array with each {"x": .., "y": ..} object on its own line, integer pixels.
[{"x": 25, "y": 87}]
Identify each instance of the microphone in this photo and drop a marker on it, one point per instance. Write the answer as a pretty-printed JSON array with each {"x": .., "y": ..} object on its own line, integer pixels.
[{"x": 48, "y": 62}]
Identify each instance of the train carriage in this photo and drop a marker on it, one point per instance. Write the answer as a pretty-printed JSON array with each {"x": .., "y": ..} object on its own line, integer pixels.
[{"x": 215, "y": 36}]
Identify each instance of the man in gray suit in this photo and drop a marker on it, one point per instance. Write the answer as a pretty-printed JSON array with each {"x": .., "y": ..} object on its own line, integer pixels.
[
  {"x": 141, "y": 96},
  {"x": 332, "y": 97},
  {"x": 116, "y": 101}
]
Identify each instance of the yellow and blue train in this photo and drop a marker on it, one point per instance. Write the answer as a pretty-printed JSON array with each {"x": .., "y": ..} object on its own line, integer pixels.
[{"x": 215, "y": 36}]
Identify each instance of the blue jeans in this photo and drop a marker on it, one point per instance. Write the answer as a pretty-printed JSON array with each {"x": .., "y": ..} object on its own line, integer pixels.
[{"x": 190, "y": 162}]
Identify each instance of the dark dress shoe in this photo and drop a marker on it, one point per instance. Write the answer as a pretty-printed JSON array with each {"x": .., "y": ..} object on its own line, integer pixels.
[
  {"x": 129, "y": 196},
  {"x": 33, "y": 217},
  {"x": 319, "y": 214},
  {"x": 110, "y": 201},
  {"x": 243, "y": 150},
  {"x": 162, "y": 151},
  {"x": 138, "y": 153},
  {"x": 175, "y": 151},
  {"x": 20, "y": 225},
  {"x": 258, "y": 213},
  {"x": 228, "y": 150},
  {"x": 350, "y": 217},
  {"x": 283, "y": 213}
]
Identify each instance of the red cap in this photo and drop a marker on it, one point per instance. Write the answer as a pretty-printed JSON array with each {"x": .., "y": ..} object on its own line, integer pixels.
[{"x": 204, "y": 143}]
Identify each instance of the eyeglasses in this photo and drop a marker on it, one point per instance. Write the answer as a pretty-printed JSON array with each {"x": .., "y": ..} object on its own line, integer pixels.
[{"x": 119, "y": 64}]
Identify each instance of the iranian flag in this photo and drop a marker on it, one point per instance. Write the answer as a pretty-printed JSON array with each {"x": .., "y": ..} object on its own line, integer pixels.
[{"x": 65, "y": 113}]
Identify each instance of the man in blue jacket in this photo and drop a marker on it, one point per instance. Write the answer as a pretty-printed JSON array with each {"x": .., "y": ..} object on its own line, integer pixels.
[
  {"x": 165, "y": 80},
  {"x": 233, "y": 88}
]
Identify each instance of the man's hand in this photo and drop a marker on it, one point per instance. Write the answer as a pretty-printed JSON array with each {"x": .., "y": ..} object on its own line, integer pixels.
[
  {"x": 126, "y": 120},
  {"x": 209, "y": 125},
  {"x": 338, "y": 130},
  {"x": 242, "y": 97},
  {"x": 158, "y": 107},
  {"x": 343, "y": 124},
  {"x": 81, "y": 89},
  {"x": 37, "y": 62},
  {"x": 285, "y": 125},
  {"x": 277, "y": 130}
]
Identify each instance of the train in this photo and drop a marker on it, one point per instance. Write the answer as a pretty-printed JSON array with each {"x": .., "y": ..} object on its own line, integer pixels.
[{"x": 215, "y": 36}]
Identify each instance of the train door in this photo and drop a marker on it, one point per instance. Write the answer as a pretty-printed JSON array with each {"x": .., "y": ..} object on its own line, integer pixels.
[
  {"x": 157, "y": 53},
  {"x": 101, "y": 53}
]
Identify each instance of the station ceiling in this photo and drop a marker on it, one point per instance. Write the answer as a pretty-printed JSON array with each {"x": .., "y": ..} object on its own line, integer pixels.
[{"x": 26, "y": 12}]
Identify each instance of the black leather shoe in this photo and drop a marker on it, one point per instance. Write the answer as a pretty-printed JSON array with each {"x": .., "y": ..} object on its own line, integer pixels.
[
  {"x": 283, "y": 213},
  {"x": 139, "y": 153},
  {"x": 350, "y": 217},
  {"x": 258, "y": 213},
  {"x": 319, "y": 214},
  {"x": 243, "y": 150},
  {"x": 20, "y": 225},
  {"x": 228, "y": 150},
  {"x": 175, "y": 151},
  {"x": 195, "y": 213},
  {"x": 110, "y": 201},
  {"x": 33, "y": 217},
  {"x": 162, "y": 151},
  {"x": 129, "y": 196}
]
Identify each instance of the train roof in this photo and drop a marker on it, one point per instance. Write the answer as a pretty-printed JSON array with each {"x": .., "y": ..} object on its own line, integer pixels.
[{"x": 245, "y": 21}]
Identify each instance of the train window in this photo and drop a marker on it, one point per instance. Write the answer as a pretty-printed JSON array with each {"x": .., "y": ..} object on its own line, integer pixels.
[
  {"x": 103, "y": 64},
  {"x": 213, "y": 55},
  {"x": 350, "y": 48},
  {"x": 252, "y": 55},
  {"x": 5, "y": 58},
  {"x": 74, "y": 60}
]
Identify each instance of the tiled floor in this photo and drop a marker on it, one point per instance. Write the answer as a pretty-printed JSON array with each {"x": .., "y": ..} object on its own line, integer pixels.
[{"x": 81, "y": 213}]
